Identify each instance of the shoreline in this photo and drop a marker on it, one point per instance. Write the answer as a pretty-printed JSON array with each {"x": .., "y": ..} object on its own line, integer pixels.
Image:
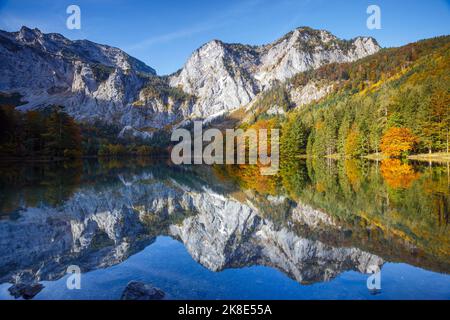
[
  {"x": 441, "y": 157},
  {"x": 49, "y": 160}
]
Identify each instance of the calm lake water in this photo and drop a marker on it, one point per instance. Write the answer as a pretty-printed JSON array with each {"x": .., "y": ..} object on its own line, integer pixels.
[{"x": 317, "y": 230}]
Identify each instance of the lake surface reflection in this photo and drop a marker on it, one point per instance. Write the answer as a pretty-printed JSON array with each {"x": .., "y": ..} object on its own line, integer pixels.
[{"x": 315, "y": 231}]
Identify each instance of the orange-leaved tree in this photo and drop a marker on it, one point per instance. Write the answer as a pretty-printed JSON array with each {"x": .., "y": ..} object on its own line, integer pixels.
[{"x": 397, "y": 141}]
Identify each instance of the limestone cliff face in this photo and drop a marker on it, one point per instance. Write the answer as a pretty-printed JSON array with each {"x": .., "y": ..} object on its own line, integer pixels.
[
  {"x": 221, "y": 76},
  {"x": 92, "y": 81},
  {"x": 98, "y": 82},
  {"x": 227, "y": 76}
]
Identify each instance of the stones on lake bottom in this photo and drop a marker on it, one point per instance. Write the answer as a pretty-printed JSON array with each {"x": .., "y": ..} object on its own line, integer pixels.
[
  {"x": 26, "y": 291},
  {"x": 140, "y": 291}
]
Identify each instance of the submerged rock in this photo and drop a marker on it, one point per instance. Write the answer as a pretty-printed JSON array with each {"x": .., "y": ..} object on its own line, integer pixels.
[
  {"x": 140, "y": 291},
  {"x": 24, "y": 290}
]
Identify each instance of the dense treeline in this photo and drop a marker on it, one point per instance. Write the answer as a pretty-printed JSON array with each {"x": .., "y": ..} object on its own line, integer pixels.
[
  {"x": 395, "y": 102},
  {"x": 52, "y": 134},
  {"x": 37, "y": 134}
]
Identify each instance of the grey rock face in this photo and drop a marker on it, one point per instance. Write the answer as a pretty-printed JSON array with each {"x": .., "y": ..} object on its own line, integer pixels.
[
  {"x": 141, "y": 291},
  {"x": 227, "y": 76},
  {"x": 92, "y": 81},
  {"x": 98, "y": 82},
  {"x": 312, "y": 91},
  {"x": 221, "y": 76}
]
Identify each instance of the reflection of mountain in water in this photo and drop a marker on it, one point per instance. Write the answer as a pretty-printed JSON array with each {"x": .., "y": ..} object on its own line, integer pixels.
[
  {"x": 226, "y": 233},
  {"x": 103, "y": 223}
]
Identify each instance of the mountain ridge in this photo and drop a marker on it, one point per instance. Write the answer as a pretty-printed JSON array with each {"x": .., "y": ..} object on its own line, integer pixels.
[
  {"x": 221, "y": 88},
  {"x": 99, "y": 82}
]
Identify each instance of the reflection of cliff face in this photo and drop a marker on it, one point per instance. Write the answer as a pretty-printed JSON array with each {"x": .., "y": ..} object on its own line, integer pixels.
[
  {"x": 95, "y": 228},
  {"x": 46, "y": 241},
  {"x": 103, "y": 225},
  {"x": 227, "y": 233}
]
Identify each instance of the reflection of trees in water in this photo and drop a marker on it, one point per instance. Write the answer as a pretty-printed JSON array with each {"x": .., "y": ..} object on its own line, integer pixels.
[
  {"x": 51, "y": 183},
  {"x": 394, "y": 202},
  {"x": 248, "y": 177},
  {"x": 399, "y": 200},
  {"x": 353, "y": 173},
  {"x": 398, "y": 174},
  {"x": 30, "y": 185},
  {"x": 438, "y": 189}
]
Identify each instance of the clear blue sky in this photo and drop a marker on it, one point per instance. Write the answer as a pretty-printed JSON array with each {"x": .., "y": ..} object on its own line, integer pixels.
[{"x": 163, "y": 33}]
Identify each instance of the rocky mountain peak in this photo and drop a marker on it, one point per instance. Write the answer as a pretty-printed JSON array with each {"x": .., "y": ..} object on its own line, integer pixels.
[
  {"x": 100, "y": 82},
  {"x": 28, "y": 35},
  {"x": 81, "y": 50},
  {"x": 306, "y": 34},
  {"x": 366, "y": 45},
  {"x": 215, "y": 43},
  {"x": 227, "y": 76}
]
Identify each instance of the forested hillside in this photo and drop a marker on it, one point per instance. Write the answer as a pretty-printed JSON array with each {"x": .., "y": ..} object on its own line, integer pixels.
[{"x": 396, "y": 101}]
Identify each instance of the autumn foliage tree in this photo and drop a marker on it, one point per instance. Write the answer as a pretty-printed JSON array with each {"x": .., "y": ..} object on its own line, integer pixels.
[
  {"x": 397, "y": 141},
  {"x": 352, "y": 146}
]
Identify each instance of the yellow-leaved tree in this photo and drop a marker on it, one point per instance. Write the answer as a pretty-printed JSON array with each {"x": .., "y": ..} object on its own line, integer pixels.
[{"x": 397, "y": 141}]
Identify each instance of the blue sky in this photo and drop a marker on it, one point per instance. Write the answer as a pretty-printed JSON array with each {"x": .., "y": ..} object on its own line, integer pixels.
[{"x": 163, "y": 33}]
